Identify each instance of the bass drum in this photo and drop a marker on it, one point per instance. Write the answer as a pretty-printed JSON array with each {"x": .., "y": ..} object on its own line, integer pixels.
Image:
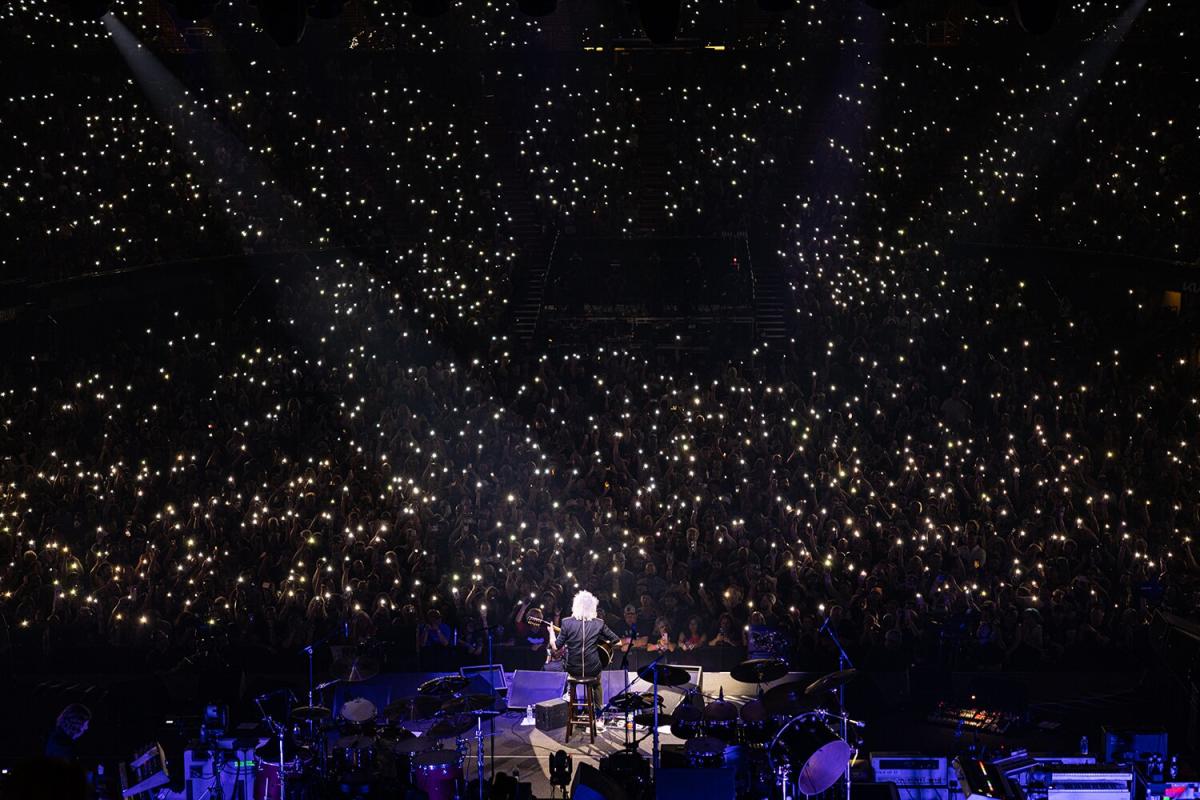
[
  {"x": 438, "y": 773},
  {"x": 815, "y": 755},
  {"x": 269, "y": 774}
]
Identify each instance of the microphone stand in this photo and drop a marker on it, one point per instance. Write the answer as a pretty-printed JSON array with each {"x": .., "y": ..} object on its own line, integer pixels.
[{"x": 844, "y": 663}]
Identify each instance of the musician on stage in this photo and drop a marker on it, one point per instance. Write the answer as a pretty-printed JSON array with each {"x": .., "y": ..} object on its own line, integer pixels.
[
  {"x": 70, "y": 725},
  {"x": 580, "y": 635}
]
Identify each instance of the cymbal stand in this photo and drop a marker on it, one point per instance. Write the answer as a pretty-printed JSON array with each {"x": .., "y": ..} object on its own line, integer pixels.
[
  {"x": 625, "y": 691},
  {"x": 479, "y": 764},
  {"x": 654, "y": 746},
  {"x": 844, "y": 663}
]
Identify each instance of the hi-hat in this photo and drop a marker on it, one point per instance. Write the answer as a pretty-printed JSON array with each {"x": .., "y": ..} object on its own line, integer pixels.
[
  {"x": 633, "y": 702},
  {"x": 311, "y": 713},
  {"x": 787, "y": 699}
]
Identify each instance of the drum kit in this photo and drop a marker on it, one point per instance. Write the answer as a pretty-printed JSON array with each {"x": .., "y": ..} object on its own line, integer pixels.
[
  {"x": 420, "y": 742},
  {"x": 784, "y": 742}
]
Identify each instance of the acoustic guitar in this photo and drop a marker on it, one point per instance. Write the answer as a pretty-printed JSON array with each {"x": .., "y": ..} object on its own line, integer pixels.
[{"x": 604, "y": 650}]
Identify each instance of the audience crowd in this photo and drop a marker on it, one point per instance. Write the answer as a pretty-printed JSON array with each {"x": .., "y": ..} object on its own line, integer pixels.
[{"x": 951, "y": 463}]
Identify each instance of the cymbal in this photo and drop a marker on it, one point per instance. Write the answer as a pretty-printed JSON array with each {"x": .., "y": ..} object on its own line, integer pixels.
[
  {"x": 447, "y": 684},
  {"x": 354, "y": 740},
  {"x": 667, "y": 675},
  {"x": 472, "y": 704},
  {"x": 395, "y": 734},
  {"x": 759, "y": 670},
  {"x": 833, "y": 680},
  {"x": 412, "y": 708},
  {"x": 450, "y": 726},
  {"x": 311, "y": 713},
  {"x": 787, "y": 699},
  {"x": 355, "y": 669},
  {"x": 410, "y": 746}
]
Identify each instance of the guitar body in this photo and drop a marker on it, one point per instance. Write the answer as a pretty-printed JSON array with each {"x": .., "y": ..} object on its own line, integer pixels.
[{"x": 604, "y": 650}]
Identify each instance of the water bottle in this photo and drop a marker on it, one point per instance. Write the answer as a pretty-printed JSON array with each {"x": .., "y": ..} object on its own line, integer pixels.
[
  {"x": 1083, "y": 745},
  {"x": 1173, "y": 768}
]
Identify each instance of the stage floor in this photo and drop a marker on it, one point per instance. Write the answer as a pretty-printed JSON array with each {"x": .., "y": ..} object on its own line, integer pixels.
[{"x": 525, "y": 750}]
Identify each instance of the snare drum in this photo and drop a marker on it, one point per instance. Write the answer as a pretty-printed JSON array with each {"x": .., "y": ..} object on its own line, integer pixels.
[
  {"x": 438, "y": 773},
  {"x": 704, "y": 753},
  {"x": 720, "y": 721}
]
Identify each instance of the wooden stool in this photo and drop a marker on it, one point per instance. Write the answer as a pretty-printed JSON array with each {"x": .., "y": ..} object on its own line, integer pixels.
[{"x": 582, "y": 713}]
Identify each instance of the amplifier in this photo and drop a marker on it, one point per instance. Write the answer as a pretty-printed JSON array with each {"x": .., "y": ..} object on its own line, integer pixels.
[
  {"x": 551, "y": 714},
  {"x": 909, "y": 770}
]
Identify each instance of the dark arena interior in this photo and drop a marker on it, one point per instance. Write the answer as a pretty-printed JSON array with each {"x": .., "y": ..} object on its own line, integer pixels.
[{"x": 599, "y": 399}]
